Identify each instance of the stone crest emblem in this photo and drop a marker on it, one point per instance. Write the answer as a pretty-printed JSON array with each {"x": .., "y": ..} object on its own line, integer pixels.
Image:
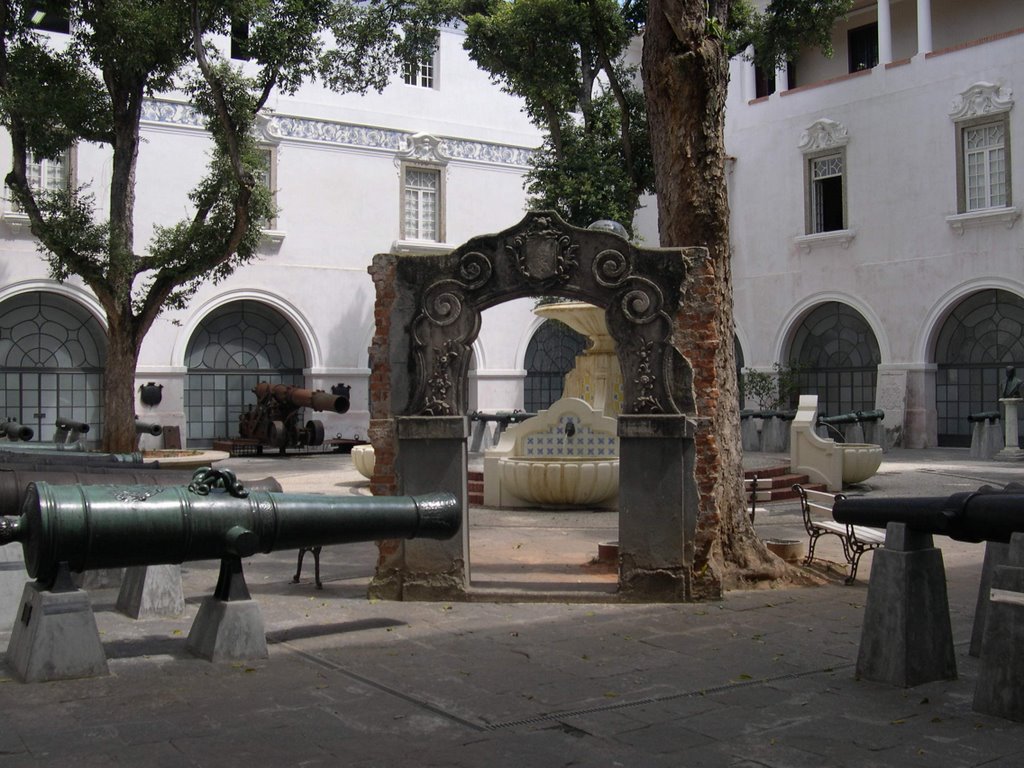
[{"x": 544, "y": 253}]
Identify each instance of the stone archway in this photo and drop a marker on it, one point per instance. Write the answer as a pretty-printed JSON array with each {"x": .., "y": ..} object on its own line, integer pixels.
[{"x": 427, "y": 317}]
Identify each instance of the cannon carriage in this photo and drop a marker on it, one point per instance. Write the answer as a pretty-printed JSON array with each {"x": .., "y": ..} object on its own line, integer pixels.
[{"x": 276, "y": 418}]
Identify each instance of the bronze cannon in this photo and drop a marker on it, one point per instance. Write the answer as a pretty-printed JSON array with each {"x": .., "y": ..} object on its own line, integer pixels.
[
  {"x": 276, "y": 418},
  {"x": 12, "y": 430},
  {"x": 110, "y": 526}
]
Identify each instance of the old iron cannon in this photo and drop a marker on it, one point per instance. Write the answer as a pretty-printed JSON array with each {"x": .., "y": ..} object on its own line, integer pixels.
[
  {"x": 983, "y": 416},
  {"x": 68, "y": 430},
  {"x": 111, "y": 526},
  {"x": 973, "y": 516},
  {"x": 275, "y": 419},
  {"x": 145, "y": 428},
  {"x": 854, "y": 417},
  {"x": 15, "y": 431}
]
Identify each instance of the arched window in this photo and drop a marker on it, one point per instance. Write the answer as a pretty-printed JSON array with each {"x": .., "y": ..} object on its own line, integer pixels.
[
  {"x": 550, "y": 355},
  {"x": 235, "y": 347},
  {"x": 982, "y": 335},
  {"x": 52, "y": 351},
  {"x": 837, "y": 357}
]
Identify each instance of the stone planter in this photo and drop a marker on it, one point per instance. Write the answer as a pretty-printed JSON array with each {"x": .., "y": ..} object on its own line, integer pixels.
[
  {"x": 860, "y": 461},
  {"x": 790, "y": 550},
  {"x": 363, "y": 460}
]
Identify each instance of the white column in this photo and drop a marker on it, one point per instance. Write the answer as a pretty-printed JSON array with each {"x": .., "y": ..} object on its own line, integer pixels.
[
  {"x": 924, "y": 26},
  {"x": 782, "y": 78},
  {"x": 884, "y": 33},
  {"x": 749, "y": 81}
]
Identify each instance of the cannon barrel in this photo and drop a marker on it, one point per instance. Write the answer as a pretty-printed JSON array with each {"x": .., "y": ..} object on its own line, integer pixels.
[
  {"x": 972, "y": 516},
  {"x": 15, "y": 431},
  {"x": 103, "y": 462},
  {"x": 14, "y": 482},
  {"x": 297, "y": 397},
  {"x": 70, "y": 425},
  {"x": 42, "y": 447},
  {"x": 854, "y": 417},
  {"x": 91, "y": 527},
  {"x": 145, "y": 428},
  {"x": 983, "y": 416}
]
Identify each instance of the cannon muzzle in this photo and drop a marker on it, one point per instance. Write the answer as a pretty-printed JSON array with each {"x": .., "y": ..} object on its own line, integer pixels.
[
  {"x": 15, "y": 431},
  {"x": 296, "y": 397},
  {"x": 144, "y": 428},
  {"x": 973, "y": 516},
  {"x": 70, "y": 425},
  {"x": 109, "y": 526}
]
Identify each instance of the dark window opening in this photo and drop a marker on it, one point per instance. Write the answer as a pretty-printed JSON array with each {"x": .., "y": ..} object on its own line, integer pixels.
[
  {"x": 862, "y": 43},
  {"x": 764, "y": 83},
  {"x": 49, "y": 16},
  {"x": 829, "y": 196},
  {"x": 240, "y": 40}
]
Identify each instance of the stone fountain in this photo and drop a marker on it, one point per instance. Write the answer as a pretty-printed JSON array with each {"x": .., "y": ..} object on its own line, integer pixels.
[{"x": 566, "y": 456}]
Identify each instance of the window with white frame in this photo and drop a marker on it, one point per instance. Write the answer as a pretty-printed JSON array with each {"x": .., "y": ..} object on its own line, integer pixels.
[
  {"x": 985, "y": 171},
  {"x": 45, "y": 175},
  {"x": 266, "y": 175},
  {"x": 419, "y": 73},
  {"x": 421, "y": 203},
  {"x": 827, "y": 205},
  {"x": 981, "y": 116}
]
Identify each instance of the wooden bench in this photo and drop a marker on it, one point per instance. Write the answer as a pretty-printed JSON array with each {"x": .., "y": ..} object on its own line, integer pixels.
[{"x": 816, "y": 507}]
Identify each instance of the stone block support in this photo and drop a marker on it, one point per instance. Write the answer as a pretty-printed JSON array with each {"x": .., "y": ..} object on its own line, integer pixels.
[
  {"x": 658, "y": 503},
  {"x": 431, "y": 457},
  {"x": 55, "y": 636},
  {"x": 906, "y": 639},
  {"x": 998, "y": 690}
]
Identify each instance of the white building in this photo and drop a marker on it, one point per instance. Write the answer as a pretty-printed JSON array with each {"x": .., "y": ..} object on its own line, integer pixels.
[
  {"x": 436, "y": 158},
  {"x": 876, "y": 213}
]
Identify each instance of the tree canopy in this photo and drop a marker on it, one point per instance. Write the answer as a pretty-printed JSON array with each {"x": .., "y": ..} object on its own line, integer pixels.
[{"x": 89, "y": 86}]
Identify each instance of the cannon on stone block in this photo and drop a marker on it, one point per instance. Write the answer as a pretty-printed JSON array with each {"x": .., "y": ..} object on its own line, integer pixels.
[
  {"x": 68, "y": 430},
  {"x": 77, "y": 528},
  {"x": 906, "y": 638},
  {"x": 276, "y": 419},
  {"x": 971, "y": 516},
  {"x": 12, "y": 430}
]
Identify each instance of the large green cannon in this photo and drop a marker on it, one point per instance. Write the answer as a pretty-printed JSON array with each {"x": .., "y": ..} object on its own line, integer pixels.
[{"x": 113, "y": 526}]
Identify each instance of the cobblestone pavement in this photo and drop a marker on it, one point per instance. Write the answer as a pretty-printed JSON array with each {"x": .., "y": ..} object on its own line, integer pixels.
[{"x": 761, "y": 678}]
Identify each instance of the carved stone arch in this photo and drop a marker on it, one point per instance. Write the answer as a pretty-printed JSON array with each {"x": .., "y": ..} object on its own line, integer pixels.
[
  {"x": 428, "y": 315},
  {"x": 639, "y": 288}
]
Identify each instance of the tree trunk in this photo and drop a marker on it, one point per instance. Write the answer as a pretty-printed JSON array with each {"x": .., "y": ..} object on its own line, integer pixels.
[
  {"x": 685, "y": 74},
  {"x": 119, "y": 391}
]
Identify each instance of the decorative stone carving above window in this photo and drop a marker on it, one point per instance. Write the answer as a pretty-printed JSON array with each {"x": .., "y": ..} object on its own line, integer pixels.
[
  {"x": 980, "y": 100},
  {"x": 823, "y": 134},
  {"x": 423, "y": 148}
]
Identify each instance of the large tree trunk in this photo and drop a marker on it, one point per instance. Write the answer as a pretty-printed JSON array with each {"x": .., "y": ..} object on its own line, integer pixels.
[
  {"x": 686, "y": 73},
  {"x": 119, "y": 391}
]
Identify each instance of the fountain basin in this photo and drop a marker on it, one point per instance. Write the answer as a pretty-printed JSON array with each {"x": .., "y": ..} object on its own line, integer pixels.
[
  {"x": 860, "y": 461},
  {"x": 363, "y": 460},
  {"x": 560, "y": 482}
]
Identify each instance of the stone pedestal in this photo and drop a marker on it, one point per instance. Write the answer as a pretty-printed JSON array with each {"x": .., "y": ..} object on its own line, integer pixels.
[
  {"x": 996, "y": 553},
  {"x": 12, "y": 583},
  {"x": 1011, "y": 451},
  {"x": 229, "y": 625},
  {"x": 154, "y": 590},
  {"x": 431, "y": 457},
  {"x": 55, "y": 636},
  {"x": 906, "y": 639},
  {"x": 998, "y": 690},
  {"x": 657, "y": 507}
]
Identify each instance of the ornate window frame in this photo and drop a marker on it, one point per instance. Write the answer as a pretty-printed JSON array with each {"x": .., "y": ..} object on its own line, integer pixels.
[
  {"x": 422, "y": 153},
  {"x": 823, "y": 138},
  {"x": 981, "y": 104}
]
